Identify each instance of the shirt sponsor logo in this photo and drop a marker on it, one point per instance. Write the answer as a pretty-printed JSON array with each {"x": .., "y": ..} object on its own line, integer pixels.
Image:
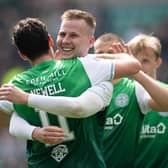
[
  {"x": 44, "y": 78},
  {"x": 113, "y": 121},
  {"x": 122, "y": 100},
  {"x": 59, "y": 152},
  {"x": 148, "y": 131}
]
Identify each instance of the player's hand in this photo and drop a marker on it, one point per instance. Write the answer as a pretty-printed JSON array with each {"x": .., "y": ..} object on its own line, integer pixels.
[
  {"x": 12, "y": 93},
  {"x": 116, "y": 48},
  {"x": 48, "y": 134}
]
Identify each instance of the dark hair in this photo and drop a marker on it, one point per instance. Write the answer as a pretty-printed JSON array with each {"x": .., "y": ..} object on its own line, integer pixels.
[{"x": 30, "y": 36}]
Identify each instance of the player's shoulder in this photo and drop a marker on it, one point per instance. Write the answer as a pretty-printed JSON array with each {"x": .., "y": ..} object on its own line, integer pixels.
[
  {"x": 91, "y": 58},
  {"x": 88, "y": 57}
]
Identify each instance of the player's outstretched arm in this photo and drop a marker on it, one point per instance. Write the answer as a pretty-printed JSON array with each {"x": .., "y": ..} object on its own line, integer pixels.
[{"x": 88, "y": 103}]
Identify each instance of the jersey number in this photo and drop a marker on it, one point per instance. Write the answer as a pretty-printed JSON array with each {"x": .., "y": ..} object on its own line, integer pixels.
[{"x": 69, "y": 135}]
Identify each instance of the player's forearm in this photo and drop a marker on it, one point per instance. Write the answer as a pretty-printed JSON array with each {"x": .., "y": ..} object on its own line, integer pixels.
[
  {"x": 158, "y": 93},
  {"x": 89, "y": 103},
  {"x": 125, "y": 65},
  {"x": 20, "y": 128},
  {"x": 55, "y": 105}
]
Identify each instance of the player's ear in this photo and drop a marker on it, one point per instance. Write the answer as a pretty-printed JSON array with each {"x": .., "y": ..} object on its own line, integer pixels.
[
  {"x": 159, "y": 62},
  {"x": 92, "y": 40},
  {"x": 50, "y": 40},
  {"x": 51, "y": 44},
  {"x": 24, "y": 57}
]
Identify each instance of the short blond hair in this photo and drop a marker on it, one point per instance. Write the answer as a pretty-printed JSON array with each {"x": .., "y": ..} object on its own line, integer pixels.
[
  {"x": 72, "y": 14},
  {"x": 110, "y": 37},
  {"x": 143, "y": 41}
]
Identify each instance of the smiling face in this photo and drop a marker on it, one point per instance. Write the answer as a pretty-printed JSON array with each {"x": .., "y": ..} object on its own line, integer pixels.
[{"x": 75, "y": 38}]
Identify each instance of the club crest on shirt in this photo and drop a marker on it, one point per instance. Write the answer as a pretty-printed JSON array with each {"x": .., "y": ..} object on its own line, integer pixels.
[
  {"x": 122, "y": 100},
  {"x": 59, "y": 152}
]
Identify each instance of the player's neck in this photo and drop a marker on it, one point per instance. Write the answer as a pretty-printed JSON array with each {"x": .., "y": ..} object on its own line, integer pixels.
[{"x": 41, "y": 59}]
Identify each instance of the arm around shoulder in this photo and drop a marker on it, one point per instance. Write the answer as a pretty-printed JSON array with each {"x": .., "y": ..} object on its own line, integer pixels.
[{"x": 126, "y": 66}]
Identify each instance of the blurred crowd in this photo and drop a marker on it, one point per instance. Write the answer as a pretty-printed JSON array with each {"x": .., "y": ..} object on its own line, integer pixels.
[{"x": 125, "y": 20}]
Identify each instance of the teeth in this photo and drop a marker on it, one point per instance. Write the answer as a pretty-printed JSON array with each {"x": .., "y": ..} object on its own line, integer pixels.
[{"x": 67, "y": 49}]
